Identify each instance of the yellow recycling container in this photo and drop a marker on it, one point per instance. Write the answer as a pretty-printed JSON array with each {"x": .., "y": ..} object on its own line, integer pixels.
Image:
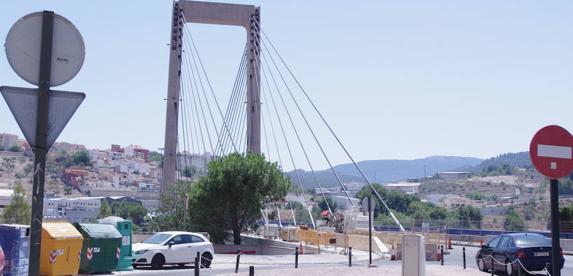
[{"x": 61, "y": 249}]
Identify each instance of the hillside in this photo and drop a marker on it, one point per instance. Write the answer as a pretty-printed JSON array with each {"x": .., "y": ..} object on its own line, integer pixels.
[
  {"x": 385, "y": 171},
  {"x": 519, "y": 159}
]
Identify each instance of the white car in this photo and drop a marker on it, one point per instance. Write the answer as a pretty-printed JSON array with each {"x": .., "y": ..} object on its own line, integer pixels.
[{"x": 173, "y": 247}]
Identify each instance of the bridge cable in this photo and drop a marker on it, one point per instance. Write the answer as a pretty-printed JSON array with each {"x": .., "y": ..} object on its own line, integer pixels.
[
  {"x": 330, "y": 128},
  {"x": 186, "y": 118},
  {"x": 236, "y": 105},
  {"x": 232, "y": 103},
  {"x": 186, "y": 88},
  {"x": 184, "y": 115},
  {"x": 297, "y": 136},
  {"x": 198, "y": 101},
  {"x": 279, "y": 156},
  {"x": 195, "y": 70},
  {"x": 265, "y": 97},
  {"x": 308, "y": 126},
  {"x": 196, "y": 112},
  {"x": 207, "y": 80},
  {"x": 240, "y": 112}
]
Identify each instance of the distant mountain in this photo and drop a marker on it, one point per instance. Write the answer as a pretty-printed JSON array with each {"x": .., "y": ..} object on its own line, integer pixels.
[
  {"x": 519, "y": 159},
  {"x": 385, "y": 171}
]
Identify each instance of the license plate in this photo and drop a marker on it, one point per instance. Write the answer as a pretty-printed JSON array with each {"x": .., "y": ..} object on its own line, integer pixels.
[{"x": 541, "y": 254}]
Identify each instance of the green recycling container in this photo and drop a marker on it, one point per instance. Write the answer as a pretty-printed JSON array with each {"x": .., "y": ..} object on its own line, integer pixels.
[
  {"x": 124, "y": 228},
  {"x": 100, "y": 249}
]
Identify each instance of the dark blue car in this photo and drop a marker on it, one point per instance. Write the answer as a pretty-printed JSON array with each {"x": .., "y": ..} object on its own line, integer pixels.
[{"x": 515, "y": 251}]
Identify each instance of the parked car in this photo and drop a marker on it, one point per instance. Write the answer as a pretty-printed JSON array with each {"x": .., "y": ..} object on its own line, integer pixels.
[
  {"x": 173, "y": 247},
  {"x": 532, "y": 250}
]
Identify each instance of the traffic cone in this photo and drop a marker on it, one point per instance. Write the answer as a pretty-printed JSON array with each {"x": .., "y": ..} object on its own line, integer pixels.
[
  {"x": 481, "y": 243},
  {"x": 450, "y": 243}
]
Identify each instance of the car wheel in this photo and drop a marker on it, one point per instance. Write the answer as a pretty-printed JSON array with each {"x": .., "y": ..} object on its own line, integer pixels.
[
  {"x": 157, "y": 262},
  {"x": 206, "y": 259},
  {"x": 481, "y": 265},
  {"x": 134, "y": 266}
]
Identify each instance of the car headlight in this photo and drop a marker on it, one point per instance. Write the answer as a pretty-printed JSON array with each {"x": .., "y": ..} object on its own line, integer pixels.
[{"x": 139, "y": 252}]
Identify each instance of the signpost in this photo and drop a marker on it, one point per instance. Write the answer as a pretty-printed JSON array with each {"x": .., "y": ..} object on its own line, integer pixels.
[
  {"x": 551, "y": 152},
  {"x": 367, "y": 203},
  {"x": 47, "y": 50}
]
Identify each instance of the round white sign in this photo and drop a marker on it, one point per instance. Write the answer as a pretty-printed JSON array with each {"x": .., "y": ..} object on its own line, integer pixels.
[{"x": 23, "y": 45}]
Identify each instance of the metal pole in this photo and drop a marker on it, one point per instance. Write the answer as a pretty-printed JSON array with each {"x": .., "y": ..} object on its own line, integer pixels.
[
  {"x": 555, "y": 243},
  {"x": 296, "y": 257},
  {"x": 370, "y": 230},
  {"x": 41, "y": 147},
  {"x": 491, "y": 258},
  {"x": 251, "y": 271},
  {"x": 350, "y": 257},
  {"x": 197, "y": 265},
  {"x": 464, "y": 256},
  {"x": 442, "y": 255},
  {"x": 237, "y": 264}
]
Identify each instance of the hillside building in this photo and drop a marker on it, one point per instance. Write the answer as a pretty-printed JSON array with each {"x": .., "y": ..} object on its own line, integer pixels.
[
  {"x": 454, "y": 201},
  {"x": 454, "y": 175},
  {"x": 405, "y": 187}
]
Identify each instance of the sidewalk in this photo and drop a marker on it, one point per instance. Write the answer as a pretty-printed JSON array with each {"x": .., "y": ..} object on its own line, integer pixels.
[{"x": 390, "y": 270}]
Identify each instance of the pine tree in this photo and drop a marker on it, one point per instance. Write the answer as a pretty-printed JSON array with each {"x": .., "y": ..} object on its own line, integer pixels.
[{"x": 18, "y": 211}]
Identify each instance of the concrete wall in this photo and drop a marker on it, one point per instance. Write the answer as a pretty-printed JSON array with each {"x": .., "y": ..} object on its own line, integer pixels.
[{"x": 360, "y": 242}]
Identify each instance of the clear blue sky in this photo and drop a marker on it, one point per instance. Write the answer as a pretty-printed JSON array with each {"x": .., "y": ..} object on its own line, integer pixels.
[{"x": 396, "y": 79}]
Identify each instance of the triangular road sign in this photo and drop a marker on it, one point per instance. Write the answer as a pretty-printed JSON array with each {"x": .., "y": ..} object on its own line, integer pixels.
[{"x": 23, "y": 102}]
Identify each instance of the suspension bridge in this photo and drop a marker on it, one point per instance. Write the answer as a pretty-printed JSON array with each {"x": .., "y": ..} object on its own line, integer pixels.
[{"x": 269, "y": 111}]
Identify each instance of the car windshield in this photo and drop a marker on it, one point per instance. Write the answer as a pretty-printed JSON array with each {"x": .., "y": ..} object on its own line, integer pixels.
[
  {"x": 532, "y": 240},
  {"x": 157, "y": 238}
]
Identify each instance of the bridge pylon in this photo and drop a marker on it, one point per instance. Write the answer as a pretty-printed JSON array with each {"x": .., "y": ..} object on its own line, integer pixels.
[{"x": 185, "y": 11}]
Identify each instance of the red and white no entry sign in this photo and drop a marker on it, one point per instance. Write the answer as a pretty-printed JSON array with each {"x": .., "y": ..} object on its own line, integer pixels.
[{"x": 551, "y": 151}]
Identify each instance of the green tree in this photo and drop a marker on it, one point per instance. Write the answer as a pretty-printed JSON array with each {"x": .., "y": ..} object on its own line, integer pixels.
[
  {"x": 18, "y": 211},
  {"x": 155, "y": 156},
  {"x": 566, "y": 186},
  {"x": 513, "y": 222},
  {"x": 189, "y": 171},
  {"x": 80, "y": 158},
  {"x": 15, "y": 148},
  {"x": 467, "y": 216},
  {"x": 104, "y": 210},
  {"x": 172, "y": 214},
  {"x": 322, "y": 204},
  {"x": 231, "y": 195}
]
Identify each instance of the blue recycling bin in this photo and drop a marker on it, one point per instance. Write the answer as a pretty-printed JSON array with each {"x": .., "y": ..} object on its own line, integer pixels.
[{"x": 15, "y": 243}]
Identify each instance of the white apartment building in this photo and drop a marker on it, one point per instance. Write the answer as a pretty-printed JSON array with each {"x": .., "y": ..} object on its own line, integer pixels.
[
  {"x": 81, "y": 209},
  {"x": 406, "y": 187}
]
